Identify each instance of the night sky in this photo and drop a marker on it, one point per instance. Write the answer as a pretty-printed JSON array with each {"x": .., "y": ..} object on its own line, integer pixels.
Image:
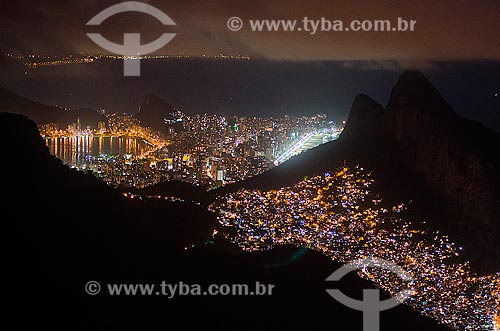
[
  {"x": 446, "y": 30},
  {"x": 456, "y": 44}
]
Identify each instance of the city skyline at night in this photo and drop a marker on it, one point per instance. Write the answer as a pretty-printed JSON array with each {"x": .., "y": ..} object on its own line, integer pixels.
[{"x": 251, "y": 165}]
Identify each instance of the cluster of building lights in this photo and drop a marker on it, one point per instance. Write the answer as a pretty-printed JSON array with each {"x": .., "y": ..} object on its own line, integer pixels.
[
  {"x": 34, "y": 61},
  {"x": 208, "y": 150},
  {"x": 338, "y": 215}
]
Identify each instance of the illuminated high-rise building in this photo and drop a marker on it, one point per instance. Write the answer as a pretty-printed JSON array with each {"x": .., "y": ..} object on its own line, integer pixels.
[{"x": 220, "y": 175}]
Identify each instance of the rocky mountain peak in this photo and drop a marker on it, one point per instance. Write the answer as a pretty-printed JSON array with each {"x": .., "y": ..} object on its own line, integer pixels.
[{"x": 364, "y": 119}]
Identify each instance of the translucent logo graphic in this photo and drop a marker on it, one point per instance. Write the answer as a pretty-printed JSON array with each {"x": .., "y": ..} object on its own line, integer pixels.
[
  {"x": 371, "y": 305},
  {"x": 131, "y": 50}
]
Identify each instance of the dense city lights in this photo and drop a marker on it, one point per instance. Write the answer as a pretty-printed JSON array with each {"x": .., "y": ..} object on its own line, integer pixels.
[
  {"x": 338, "y": 215},
  {"x": 209, "y": 150}
]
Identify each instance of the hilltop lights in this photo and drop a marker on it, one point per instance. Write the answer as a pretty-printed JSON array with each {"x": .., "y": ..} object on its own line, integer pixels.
[{"x": 339, "y": 216}]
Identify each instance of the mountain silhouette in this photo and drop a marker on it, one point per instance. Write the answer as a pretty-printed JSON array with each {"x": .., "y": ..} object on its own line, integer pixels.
[
  {"x": 420, "y": 150},
  {"x": 365, "y": 120},
  {"x": 459, "y": 159},
  {"x": 153, "y": 113},
  {"x": 43, "y": 114}
]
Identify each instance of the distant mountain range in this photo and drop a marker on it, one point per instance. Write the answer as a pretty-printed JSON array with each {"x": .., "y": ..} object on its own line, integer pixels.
[
  {"x": 152, "y": 113},
  {"x": 42, "y": 114}
]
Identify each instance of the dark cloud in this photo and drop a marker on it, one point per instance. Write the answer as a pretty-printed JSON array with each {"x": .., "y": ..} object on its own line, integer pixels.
[{"x": 446, "y": 29}]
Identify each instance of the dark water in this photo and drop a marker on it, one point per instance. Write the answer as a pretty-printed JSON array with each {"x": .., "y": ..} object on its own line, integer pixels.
[{"x": 75, "y": 150}]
